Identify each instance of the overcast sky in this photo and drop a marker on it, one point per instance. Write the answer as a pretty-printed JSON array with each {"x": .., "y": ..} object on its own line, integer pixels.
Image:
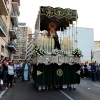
[{"x": 88, "y": 12}]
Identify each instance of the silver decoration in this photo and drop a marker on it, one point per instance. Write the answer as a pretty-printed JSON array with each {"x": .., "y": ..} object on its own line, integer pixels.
[{"x": 59, "y": 59}]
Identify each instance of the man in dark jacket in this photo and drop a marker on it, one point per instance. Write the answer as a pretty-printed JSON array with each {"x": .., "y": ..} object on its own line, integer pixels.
[{"x": 93, "y": 69}]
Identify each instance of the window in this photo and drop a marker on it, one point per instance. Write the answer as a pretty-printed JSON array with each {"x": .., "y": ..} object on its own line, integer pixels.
[{"x": 2, "y": 48}]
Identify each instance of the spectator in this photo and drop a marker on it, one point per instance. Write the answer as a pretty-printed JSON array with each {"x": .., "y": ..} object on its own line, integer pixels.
[
  {"x": 89, "y": 70},
  {"x": 82, "y": 71},
  {"x": 5, "y": 70},
  {"x": 0, "y": 69},
  {"x": 10, "y": 74},
  {"x": 93, "y": 68},
  {"x": 18, "y": 69},
  {"x": 99, "y": 72},
  {"x": 85, "y": 70}
]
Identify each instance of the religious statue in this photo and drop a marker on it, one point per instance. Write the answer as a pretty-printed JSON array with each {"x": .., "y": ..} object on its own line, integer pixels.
[{"x": 52, "y": 34}]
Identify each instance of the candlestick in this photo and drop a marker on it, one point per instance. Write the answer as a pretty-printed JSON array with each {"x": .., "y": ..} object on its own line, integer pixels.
[
  {"x": 51, "y": 44},
  {"x": 60, "y": 35},
  {"x": 43, "y": 42}
]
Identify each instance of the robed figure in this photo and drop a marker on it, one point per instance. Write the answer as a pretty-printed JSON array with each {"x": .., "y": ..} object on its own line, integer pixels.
[
  {"x": 25, "y": 71},
  {"x": 53, "y": 34}
]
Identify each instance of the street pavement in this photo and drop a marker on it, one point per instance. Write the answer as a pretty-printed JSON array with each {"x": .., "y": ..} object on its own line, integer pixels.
[{"x": 86, "y": 90}]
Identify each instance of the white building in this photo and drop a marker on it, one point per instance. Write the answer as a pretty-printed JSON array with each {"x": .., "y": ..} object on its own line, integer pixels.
[
  {"x": 96, "y": 55},
  {"x": 85, "y": 42}
]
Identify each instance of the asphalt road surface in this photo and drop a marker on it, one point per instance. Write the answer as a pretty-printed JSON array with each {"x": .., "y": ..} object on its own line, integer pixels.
[{"x": 86, "y": 90}]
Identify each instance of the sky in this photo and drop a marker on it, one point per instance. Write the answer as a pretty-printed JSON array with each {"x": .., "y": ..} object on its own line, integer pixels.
[{"x": 88, "y": 12}]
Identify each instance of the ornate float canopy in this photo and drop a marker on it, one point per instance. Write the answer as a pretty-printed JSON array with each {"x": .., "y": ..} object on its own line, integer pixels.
[{"x": 60, "y": 17}]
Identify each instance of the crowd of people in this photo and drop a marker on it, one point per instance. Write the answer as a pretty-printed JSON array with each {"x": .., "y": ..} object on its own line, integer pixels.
[
  {"x": 90, "y": 71},
  {"x": 10, "y": 70}
]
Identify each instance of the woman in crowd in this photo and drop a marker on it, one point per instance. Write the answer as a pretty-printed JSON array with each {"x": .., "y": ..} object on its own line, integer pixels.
[{"x": 10, "y": 74}]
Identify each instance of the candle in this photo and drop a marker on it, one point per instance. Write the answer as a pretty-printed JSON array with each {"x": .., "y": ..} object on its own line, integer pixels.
[
  {"x": 47, "y": 44},
  {"x": 43, "y": 41},
  {"x": 60, "y": 35}
]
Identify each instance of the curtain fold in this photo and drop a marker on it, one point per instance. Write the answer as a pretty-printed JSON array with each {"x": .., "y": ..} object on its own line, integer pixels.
[{"x": 55, "y": 74}]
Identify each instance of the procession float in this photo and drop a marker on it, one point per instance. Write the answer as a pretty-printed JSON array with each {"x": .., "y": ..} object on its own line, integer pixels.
[{"x": 55, "y": 54}]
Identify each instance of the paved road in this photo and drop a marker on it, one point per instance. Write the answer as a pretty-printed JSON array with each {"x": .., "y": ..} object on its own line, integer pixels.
[{"x": 87, "y": 90}]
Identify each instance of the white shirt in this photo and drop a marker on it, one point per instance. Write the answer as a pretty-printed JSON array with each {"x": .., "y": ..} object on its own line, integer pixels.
[
  {"x": 89, "y": 68},
  {"x": 10, "y": 70},
  {"x": 82, "y": 68}
]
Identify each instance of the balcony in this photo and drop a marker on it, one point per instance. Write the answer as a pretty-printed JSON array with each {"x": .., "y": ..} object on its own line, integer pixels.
[
  {"x": 16, "y": 1},
  {"x": 12, "y": 46},
  {"x": 13, "y": 33},
  {"x": 14, "y": 19},
  {"x": 4, "y": 7},
  {"x": 15, "y": 5},
  {"x": 3, "y": 28}
]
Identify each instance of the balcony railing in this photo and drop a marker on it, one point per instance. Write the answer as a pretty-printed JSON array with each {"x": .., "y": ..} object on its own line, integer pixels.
[
  {"x": 14, "y": 13},
  {"x": 15, "y": 5},
  {"x": 16, "y": 32},
  {"x": 13, "y": 30},
  {"x": 14, "y": 16},
  {"x": 4, "y": 7},
  {"x": 12, "y": 44},
  {"x": 15, "y": 0},
  {"x": 3, "y": 26},
  {"x": 7, "y": 4}
]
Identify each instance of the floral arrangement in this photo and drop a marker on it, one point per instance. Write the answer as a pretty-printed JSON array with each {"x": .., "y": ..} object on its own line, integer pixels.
[
  {"x": 38, "y": 51},
  {"x": 64, "y": 53},
  {"x": 77, "y": 52},
  {"x": 54, "y": 52}
]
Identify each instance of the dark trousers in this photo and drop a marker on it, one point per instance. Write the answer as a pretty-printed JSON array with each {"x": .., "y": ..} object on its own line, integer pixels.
[
  {"x": 89, "y": 74},
  {"x": 93, "y": 76},
  {"x": 82, "y": 73},
  {"x": 10, "y": 78},
  {"x": 98, "y": 76},
  {"x": 18, "y": 72},
  {"x": 4, "y": 77}
]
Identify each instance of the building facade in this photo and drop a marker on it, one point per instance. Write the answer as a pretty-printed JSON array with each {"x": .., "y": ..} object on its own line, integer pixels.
[
  {"x": 29, "y": 49},
  {"x": 85, "y": 42},
  {"x": 9, "y": 12},
  {"x": 22, "y": 41},
  {"x": 96, "y": 45}
]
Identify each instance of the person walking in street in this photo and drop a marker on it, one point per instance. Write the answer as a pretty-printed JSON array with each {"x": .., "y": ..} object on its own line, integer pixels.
[{"x": 26, "y": 71}]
